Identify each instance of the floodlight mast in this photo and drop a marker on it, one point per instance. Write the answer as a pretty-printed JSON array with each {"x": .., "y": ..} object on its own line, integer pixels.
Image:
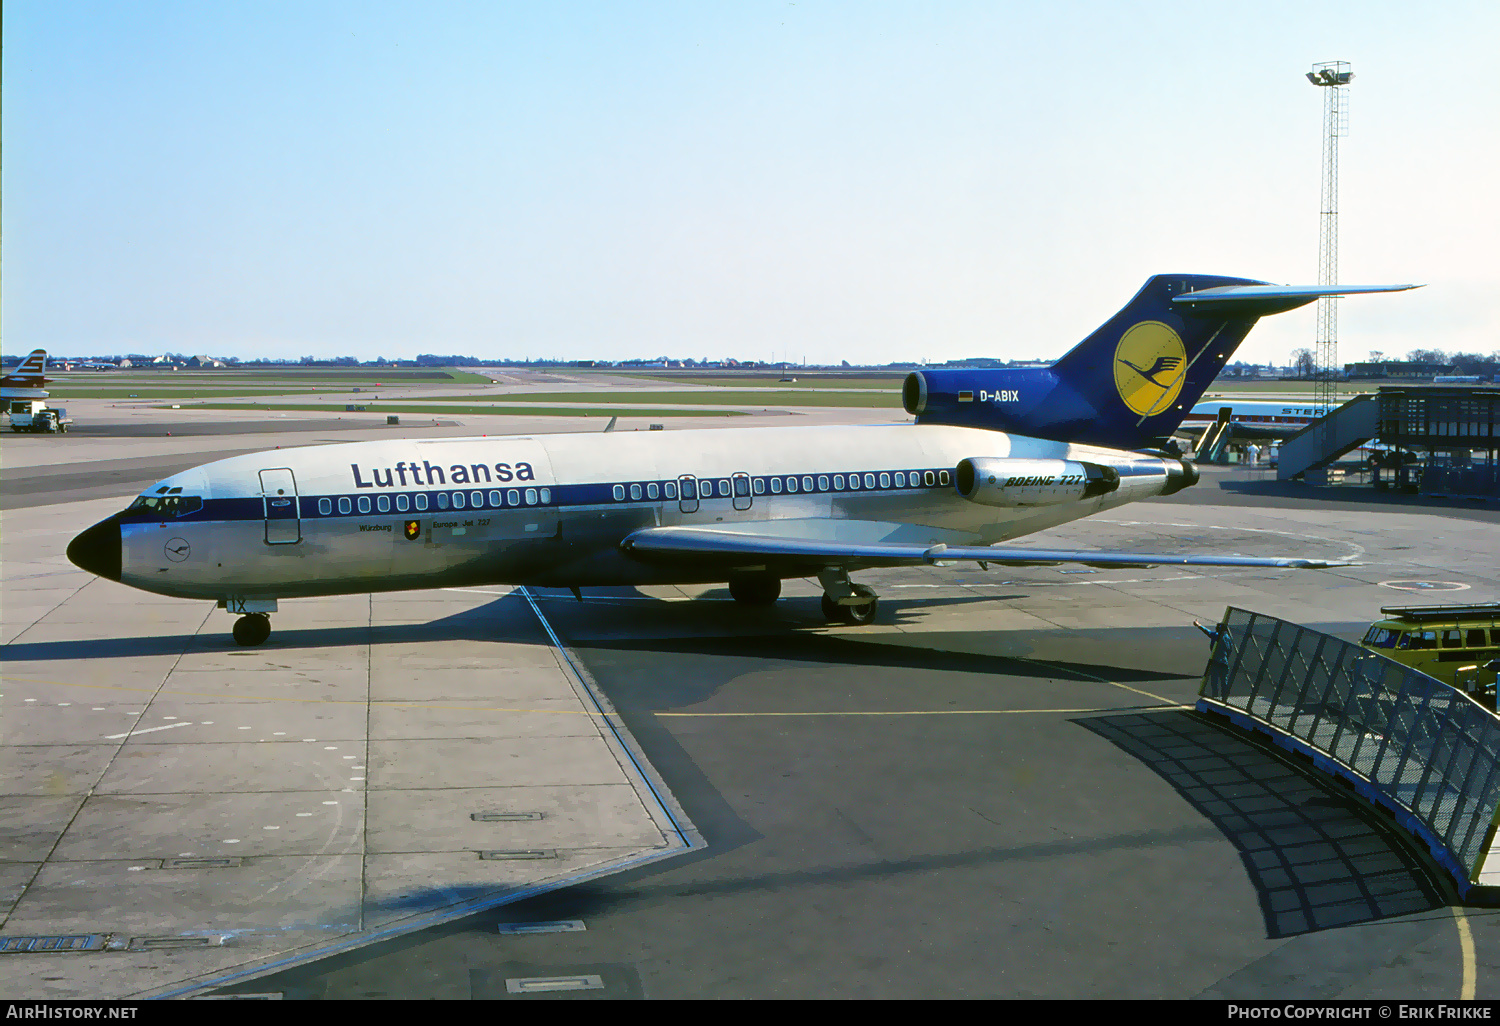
[{"x": 1333, "y": 77}]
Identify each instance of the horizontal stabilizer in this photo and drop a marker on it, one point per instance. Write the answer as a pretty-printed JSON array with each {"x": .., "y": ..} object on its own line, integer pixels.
[
  {"x": 1259, "y": 300},
  {"x": 745, "y": 546}
]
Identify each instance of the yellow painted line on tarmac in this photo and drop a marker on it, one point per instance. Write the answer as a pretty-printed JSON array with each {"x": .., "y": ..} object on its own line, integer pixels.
[
  {"x": 1466, "y": 945},
  {"x": 1103, "y": 680}
]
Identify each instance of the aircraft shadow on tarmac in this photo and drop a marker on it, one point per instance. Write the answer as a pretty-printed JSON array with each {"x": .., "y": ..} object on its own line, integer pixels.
[
  {"x": 1317, "y": 857},
  {"x": 713, "y": 629}
]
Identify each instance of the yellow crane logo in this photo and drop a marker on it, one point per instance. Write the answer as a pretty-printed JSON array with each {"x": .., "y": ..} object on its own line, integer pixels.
[{"x": 1150, "y": 366}]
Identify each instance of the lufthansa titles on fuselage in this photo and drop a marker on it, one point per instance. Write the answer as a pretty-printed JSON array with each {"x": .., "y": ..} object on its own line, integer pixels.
[{"x": 434, "y": 474}]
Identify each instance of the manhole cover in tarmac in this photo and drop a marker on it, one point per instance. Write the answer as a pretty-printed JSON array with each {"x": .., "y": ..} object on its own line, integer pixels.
[{"x": 1425, "y": 585}]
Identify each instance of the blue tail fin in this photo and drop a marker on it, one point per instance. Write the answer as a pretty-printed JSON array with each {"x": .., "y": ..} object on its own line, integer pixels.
[
  {"x": 1144, "y": 368},
  {"x": 1132, "y": 381}
]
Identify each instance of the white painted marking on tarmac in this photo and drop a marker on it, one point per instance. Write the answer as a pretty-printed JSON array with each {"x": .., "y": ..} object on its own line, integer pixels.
[
  {"x": 270, "y": 828},
  {"x": 279, "y": 733},
  {"x": 304, "y": 814},
  {"x": 330, "y": 748},
  {"x": 330, "y": 803},
  {"x": 148, "y": 730},
  {"x": 64, "y": 703},
  {"x": 232, "y": 840},
  {"x": 208, "y": 723},
  {"x": 351, "y": 757},
  {"x": 31, "y": 700},
  {"x": 1409, "y": 585},
  {"x": 169, "y": 717},
  {"x": 98, "y": 708}
]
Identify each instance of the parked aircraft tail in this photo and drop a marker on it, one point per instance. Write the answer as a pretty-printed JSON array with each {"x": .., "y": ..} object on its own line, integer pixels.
[
  {"x": 29, "y": 371},
  {"x": 1130, "y": 383}
]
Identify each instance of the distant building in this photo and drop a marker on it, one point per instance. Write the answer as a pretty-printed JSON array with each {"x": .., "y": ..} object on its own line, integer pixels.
[
  {"x": 204, "y": 362},
  {"x": 1397, "y": 370}
]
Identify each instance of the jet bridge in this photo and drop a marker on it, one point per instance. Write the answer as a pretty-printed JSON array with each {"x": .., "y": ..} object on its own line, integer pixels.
[{"x": 1425, "y": 751}]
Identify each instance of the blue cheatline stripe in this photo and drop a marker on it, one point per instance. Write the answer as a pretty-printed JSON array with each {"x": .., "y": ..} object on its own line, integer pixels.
[
  {"x": 562, "y": 496},
  {"x": 479, "y": 905}
]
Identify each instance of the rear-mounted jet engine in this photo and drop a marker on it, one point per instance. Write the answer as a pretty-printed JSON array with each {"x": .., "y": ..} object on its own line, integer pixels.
[{"x": 1009, "y": 482}]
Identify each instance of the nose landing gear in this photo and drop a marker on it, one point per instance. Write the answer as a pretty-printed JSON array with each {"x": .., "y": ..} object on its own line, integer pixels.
[{"x": 252, "y": 629}]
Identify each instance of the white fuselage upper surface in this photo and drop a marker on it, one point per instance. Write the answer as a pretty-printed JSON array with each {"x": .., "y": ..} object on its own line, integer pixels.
[
  {"x": 553, "y": 509},
  {"x": 1270, "y": 420}
]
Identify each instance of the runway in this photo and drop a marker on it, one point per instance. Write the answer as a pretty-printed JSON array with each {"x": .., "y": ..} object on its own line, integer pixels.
[{"x": 998, "y": 790}]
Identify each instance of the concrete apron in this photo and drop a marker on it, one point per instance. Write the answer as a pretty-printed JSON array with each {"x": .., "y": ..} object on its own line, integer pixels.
[{"x": 196, "y": 813}]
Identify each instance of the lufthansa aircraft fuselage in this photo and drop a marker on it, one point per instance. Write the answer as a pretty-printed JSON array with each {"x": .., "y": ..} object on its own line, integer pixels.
[
  {"x": 994, "y": 454},
  {"x": 553, "y": 510}
]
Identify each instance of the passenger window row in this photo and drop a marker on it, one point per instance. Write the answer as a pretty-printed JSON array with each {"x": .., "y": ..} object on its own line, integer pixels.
[
  {"x": 1471, "y": 637},
  {"x": 493, "y": 499},
  {"x": 740, "y": 485}
]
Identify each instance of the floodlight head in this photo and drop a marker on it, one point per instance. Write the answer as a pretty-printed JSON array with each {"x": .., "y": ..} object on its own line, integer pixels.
[{"x": 1333, "y": 73}]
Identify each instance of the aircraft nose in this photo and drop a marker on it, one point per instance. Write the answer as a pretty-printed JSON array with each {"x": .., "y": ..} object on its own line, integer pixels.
[{"x": 97, "y": 550}]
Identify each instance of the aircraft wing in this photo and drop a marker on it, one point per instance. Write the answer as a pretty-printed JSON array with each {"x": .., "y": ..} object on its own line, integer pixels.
[{"x": 759, "y": 544}]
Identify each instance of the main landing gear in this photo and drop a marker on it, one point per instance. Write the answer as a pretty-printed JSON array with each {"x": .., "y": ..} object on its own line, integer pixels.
[
  {"x": 845, "y": 601},
  {"x": 755, "y": 589},
  {"x": 252, "y": 628}
]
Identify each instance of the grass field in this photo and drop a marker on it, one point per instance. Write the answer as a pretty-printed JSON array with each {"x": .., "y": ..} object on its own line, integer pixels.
[
  {"x": 763, "y": 399},
  {"x": 1223, "y": 386},
  {"x": 186, "y": 392},
  {"x": 374, "y": 409},
  {"x": 290, "y": 375},
  {"x": 772, "y": 379}
]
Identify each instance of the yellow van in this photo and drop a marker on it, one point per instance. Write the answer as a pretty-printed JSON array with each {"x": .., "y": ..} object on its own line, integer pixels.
[{"x": 1452, "y": 643}]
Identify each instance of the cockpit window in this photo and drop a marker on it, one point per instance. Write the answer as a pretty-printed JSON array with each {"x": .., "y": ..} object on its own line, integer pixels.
[{"x": 164, "y": 505}]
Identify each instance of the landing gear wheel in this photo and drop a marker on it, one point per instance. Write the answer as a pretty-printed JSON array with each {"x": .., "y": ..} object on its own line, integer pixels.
[
  {"x": 831, "y": 609},
  {"x": 861, "y": 614},
  {"x": 857, "y": 615},
  {"x": 252, "y": 629},
  {"x": 755, "y": 589}
]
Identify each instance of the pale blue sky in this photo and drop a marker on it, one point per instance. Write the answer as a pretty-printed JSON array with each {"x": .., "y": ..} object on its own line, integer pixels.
[{"x": 862, "y": 181}]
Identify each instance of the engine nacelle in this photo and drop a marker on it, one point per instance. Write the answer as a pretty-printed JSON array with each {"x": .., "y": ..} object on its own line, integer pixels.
[{"x": 996, "y": 481}]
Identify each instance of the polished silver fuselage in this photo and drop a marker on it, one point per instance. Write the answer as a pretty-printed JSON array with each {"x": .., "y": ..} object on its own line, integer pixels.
[{"x": 274, "y": 541}]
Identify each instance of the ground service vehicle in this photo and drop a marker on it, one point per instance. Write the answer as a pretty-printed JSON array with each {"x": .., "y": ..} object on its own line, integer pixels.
[
  {"x": 36, "y": 416},
  {"x": 1452, "y": 643}
]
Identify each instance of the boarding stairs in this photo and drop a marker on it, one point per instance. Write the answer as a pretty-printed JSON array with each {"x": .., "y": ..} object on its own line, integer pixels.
[
  {"x": 1320, "y": 443},
  {"x": 1215, "y": 439}
]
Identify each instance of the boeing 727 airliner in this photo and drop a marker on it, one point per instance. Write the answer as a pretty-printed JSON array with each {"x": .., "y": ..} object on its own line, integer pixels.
[{"x": 993, "y": 455}]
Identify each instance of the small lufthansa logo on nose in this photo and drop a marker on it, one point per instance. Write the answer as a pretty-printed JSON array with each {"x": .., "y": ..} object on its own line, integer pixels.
[{"x": 177, "y": 549}]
